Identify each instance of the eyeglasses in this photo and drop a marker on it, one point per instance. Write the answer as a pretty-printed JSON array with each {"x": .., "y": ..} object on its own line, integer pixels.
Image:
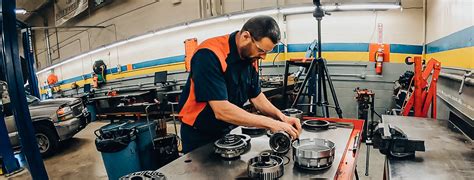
[{"x": 260, "y": 50}]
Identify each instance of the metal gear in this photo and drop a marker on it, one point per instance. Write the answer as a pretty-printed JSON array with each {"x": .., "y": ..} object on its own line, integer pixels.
[{"x": 265, "y": 167}]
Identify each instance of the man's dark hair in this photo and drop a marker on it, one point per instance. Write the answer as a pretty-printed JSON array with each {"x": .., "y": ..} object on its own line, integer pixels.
[{"x": 263, "y": 26}]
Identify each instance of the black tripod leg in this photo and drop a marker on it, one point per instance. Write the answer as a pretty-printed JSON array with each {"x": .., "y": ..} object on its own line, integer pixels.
[
  {"x": 356, "y": 174},
  {"x": 285, "y": 85},
  {"x": 320, "y": 89},
  {"x": 333, "y": 91},
  {"x": 310, "y": 70},
  {"x": 325, "y": 92}
]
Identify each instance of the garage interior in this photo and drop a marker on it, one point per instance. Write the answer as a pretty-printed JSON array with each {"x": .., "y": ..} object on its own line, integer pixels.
[{"x": 383, "y": 89}]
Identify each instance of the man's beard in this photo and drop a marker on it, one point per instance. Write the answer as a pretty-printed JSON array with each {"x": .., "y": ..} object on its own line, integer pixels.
[{"x": 245, "y": 54}]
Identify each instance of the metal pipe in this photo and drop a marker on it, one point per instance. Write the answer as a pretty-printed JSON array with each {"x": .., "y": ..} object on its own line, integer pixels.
[
  {"x": 65, "y": 27},
  {"x": 48, "y": 47},
  {"x": 458, "y": 69},
  {"x": 468, "y": 81},
  {"x": 57, "y": 43}
]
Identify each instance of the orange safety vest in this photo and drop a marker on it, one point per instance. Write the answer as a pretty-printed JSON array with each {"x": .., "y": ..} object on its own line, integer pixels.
[{"x": 221, "y": 48}]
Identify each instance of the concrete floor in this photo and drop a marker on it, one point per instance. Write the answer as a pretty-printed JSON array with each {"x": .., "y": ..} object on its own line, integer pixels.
[{"x": 79, "y": 159}]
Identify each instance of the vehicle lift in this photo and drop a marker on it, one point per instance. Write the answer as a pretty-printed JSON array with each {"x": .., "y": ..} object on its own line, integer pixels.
[
  {"x": 11, "y": 70},
  {"x": 424, "y": 94}
]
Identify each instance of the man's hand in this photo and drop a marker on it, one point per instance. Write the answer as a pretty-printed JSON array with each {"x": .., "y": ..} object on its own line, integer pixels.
[
  {"x": 295, "y": 122},
  {"x": 276, "y": 126}
]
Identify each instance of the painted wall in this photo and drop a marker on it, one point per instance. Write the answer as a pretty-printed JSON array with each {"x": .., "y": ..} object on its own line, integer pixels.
[
  {"x": 450, "y": 39},
  {"x": 450, "y": 32},
  {"x": 346, "y": 37},
  {"x": 358, "y": 28}
]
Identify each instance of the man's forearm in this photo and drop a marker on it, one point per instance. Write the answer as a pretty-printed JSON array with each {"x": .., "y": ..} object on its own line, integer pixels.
[
  {"x": 228, "y": 112},
  {"x": 262, "y": 104}
]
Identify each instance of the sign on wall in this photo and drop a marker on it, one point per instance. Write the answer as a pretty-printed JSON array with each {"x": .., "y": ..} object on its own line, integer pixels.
[{"x": 65, "y": 10}]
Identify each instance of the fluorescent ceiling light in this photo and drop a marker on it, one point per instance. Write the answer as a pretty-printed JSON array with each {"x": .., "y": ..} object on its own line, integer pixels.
[
  {"x": 137, "y": 38},
  {"x": 118, "y": 44},
  {"x": 177, "y": 28},
  {"x": 293, "y": 10},
  {"x": 252, "y": 14},
  {"x": 374, "y": 6},
  {"x": 20, "y": 11},
  {"x": 330, "y": 7},
  {"x": 209, "y": 21}
]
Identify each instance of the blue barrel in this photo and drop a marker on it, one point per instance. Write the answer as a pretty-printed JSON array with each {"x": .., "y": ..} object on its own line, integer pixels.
[
  {"x": 123, "y": 162},
  {"x": 92, "y": 110},
  {"x": 118, "y": 148},
  {"x": 144, "y": 143}
]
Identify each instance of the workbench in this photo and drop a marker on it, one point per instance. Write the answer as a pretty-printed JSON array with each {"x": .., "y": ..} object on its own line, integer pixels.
[
  {"x": 449, "y": 154},
  {"x": 203, "y": 163}
]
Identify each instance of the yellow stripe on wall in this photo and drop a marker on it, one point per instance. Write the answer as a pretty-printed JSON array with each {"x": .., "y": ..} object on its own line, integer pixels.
[
  {"x": 331, "y": 56},
  {"x": 462, "y": 57}
]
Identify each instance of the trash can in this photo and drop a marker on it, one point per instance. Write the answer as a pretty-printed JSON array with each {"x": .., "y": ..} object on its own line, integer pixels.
[
  {"x": 92, "y": 111},
  {"x": 146, "y": 132},
  {"x": 118, "y": 144}
]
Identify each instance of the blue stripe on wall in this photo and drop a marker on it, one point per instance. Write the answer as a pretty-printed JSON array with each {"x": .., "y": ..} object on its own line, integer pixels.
[
  {"x": 157, "y": 62},
  {"x": 337, "y": 47},
  {"x": 461, "y": 39},
  {"x": 406, "y": 49}
]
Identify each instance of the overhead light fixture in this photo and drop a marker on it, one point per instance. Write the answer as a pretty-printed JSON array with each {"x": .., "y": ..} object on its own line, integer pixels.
[
  {"x": 173, "y": 29},
  {"x": 330, "y": 7},
  {"x": 252, "y": 14},
  {"x": 137, "y": 38},
  {"x": 208, "y": 21},
  {"x": 374, "y": 6},
  {"x": 20, "y": 11},
  {"x": 293, "y": 10},
  {"x": 118, "y": 44}
]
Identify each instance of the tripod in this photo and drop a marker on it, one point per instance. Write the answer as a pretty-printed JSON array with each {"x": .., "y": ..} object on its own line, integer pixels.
[{"x": 318, "y": 73}]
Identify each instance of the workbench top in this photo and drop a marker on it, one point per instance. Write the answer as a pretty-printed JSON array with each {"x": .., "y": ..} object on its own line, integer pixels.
[
  {"x": 204, "y": 164},
  {"x": 448, "y": 154}
]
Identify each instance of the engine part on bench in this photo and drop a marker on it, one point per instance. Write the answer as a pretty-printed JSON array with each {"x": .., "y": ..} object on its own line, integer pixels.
[
  {"x": 232, "y": 145},
  {"x": 144, "y": 175},
  {"x": 280, "y": 142},
  {"x": 392, "y": 141},
  {"x": 313, "y": 154},
  {"x": 265, "y": 167},
  {"x": 315, "y": 125},
  {"x": 292, "y": 112},
  {"x": 165, "y": 149},
  {"x": 253, "y": 130},
  {"x": 269, "y": 133}
]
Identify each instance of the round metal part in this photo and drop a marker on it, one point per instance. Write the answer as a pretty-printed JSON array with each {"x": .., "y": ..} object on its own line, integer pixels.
[
  {"x": 280, "y": 142},
  {"x": 293, "y": 113},
  {"x": 232, "y": 145},
  {"x": 144, "y": 175},
  {"x": 253, "y": 130},
  {"x": 313, "y": 154},
  {"x": 269, "y": 133},
  {"x": 316, "y": 125},
  {"x": 265, "y": 166}
]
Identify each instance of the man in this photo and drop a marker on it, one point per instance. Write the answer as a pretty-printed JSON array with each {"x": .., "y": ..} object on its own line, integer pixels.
[{"x": 223, "y": 77}]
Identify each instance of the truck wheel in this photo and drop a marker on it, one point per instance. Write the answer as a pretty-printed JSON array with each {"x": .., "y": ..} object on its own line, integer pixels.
[{"x": 47, "y": 140}]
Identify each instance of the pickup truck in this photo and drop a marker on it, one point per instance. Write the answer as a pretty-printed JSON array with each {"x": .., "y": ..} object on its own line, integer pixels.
[{"x": 54, "y": 120}]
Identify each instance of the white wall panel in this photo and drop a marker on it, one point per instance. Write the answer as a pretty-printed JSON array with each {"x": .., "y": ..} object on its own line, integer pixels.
[
  {"x": 445, "y": 17},
  {"x": 400, "y": 27}
]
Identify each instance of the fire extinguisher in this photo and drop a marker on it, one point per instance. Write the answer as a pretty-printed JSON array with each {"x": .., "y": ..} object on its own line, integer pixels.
[{"x": 379, "y": 55}]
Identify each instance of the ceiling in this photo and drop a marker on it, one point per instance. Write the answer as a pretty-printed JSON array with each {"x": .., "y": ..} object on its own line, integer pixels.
[{"x": 30, "y": 6}]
